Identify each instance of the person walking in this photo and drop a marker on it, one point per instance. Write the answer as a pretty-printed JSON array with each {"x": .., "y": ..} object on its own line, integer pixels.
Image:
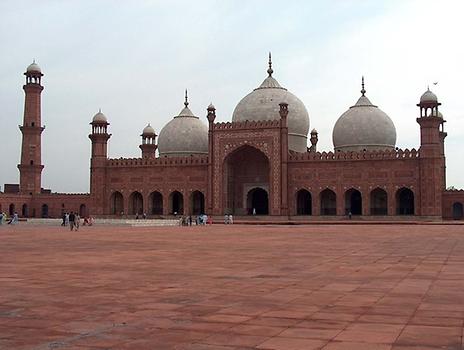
[
  {"x": 77, "y": 222},
  {"x": 66, "y": 219},
  {"x": 63, "y": 223},
  {"x": 72, "y": 217},
  {"x": 231, "y": 219},
  {"x": 1, "y": 218}
]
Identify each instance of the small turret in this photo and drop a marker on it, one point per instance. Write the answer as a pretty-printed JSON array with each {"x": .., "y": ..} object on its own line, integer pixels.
[{"x": 148, "y": 145}]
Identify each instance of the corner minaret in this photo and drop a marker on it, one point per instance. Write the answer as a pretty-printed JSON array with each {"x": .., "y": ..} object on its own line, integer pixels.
[
  {"x": 30, "y": 168},
  {"x": 432, "y": 161},
  {"x": 99, "y": 138}
]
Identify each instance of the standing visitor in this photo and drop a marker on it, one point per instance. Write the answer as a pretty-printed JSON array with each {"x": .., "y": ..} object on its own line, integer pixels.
[
  {"x": 66, "y": 219},
  {"x": 254, "y": 211},
  {"x": 77, "y": 221},
  {"x": 71, "y": 219},
  {"x": 231, "y": 219},
  {"x": 226, "y": 219},
  {"x": 1, "y": 218}
]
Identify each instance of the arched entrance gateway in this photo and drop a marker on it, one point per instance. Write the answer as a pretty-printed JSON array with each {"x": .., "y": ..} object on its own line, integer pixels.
[
  {"x": 458, "y": 211},
  {"x": 246, "y": 180},
  {"x": 176, "y": 203},
  {"x": 197, "y": 203},
  {"x": 353, "y": 202},
  {"x": 328, "y": 201},
  {"x": 136, "y": 203},
  {"x": 379, "y": 202},
  {"x": 303, "y": 203},
  {"x": 117, "y": 203},
  {"x": 257, "y": 201},
  {"x": 404, "y": 202},
  {"x": 156, "y": 203}
]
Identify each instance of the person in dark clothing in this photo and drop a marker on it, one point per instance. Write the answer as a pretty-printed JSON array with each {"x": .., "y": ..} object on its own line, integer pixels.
[
  {"x": 72, "y": 218},
  {"x": 64, "y": 220}
]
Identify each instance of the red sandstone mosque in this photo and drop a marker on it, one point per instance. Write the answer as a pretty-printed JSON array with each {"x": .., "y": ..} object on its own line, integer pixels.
[{"x": 259, "y": 163}]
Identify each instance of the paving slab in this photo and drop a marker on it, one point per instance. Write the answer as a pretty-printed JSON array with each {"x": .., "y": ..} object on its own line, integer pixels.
[{"x": 232, "y": 287}]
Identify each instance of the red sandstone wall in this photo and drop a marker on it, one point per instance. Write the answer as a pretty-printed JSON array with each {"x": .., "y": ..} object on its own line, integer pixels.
[
  {"x": 45, "y": 205},
  {"x": 185, "y": 175},
  {"x": 363, "y": 175},
  {"x": 450, "y": 198}
]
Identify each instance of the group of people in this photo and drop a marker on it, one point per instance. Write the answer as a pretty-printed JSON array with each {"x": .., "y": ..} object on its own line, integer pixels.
[
  {"x": 73, "y": 220},
  {"x": 14, "y": 219},
  {"x": 201, "y": 219},
  {"x": 228, "y": 219}
]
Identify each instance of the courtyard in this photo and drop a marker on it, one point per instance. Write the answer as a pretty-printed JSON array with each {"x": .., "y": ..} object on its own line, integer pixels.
[{"x": 373, "y": 287}]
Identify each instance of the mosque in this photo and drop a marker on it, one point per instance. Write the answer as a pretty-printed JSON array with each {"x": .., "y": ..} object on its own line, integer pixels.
[{"x": 259, "y": 163}]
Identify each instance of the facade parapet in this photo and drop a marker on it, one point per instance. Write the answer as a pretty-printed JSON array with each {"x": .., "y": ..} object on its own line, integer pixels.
[
  {"x": 160, "y": 161},
  {"x": 350, "y": 156},
  {"x": 247, "y": 125}
]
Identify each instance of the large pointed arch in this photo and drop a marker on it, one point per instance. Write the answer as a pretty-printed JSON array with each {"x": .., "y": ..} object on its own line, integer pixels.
[
  {"x": 405, "y": 201},
  {"x": 246, "y": 169},
  {"x": 116, "y": 203},
  {"x": 176, "y": 203},
  {"x": 379, "y": 201},
  {"x": 136, "y": 203},
  {"x": 328, "y": 202},
  {"x": 303, "y": 202}
]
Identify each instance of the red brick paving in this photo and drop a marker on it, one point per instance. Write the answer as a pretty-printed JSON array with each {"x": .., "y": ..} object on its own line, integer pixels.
[{"x": 373, "y": 287}]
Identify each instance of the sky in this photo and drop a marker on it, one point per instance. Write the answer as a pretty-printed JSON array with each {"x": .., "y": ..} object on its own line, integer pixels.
[{"x": 134, "y": 59}]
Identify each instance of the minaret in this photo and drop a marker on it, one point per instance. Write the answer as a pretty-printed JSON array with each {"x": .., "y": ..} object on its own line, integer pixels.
[
  {"x": 148, "y": 145},
  {"x": 30, "y": 168},
  {"x": 431, "y": 156},
  {"x": 99, "y": 137}
]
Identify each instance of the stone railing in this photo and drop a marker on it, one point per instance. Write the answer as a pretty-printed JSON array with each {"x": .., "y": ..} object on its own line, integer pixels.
[{"x": 355, "y": 155}]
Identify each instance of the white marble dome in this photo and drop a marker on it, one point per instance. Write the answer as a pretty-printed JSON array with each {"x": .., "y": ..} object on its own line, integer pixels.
[
  {"x": 148, "y": 131},
  {"x": 33, "y": 67},
  {"x": 99, "y": 118},
  {"x": 364, "y": 127},
  {"x": 428, "y": 97},
  {"x": 184, "y": 135},
  {"x": 263, "y": 104}
]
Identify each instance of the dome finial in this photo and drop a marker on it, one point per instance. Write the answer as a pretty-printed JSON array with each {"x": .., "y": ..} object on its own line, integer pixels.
[
  {"x": 363, "y": 90},
  {"x": 269, "y": 70},
  {"x": 186, "y": 103}
]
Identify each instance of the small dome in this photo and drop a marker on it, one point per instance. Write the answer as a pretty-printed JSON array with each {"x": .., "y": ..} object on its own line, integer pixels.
[
  {"x": 148, "y": 131},
  {"x": 99, "y": 118},
  {"x": 184, "y": 135},
  {"x": 263, "y": 104},
  {"x": 364, "y": 127},
  {"x": 33, "y": 67},
  {"x": 428, "y": 97},
  {"x": 434, "y": 114}
]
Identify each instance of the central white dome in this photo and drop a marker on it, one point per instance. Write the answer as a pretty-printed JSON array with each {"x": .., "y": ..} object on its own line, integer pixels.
[
  {"x": 184, "y": 135},
  {"x": 263, "y": 104}
]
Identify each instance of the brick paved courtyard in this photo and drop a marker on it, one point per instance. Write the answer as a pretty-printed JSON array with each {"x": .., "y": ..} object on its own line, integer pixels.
[{"x": 232, "y": 287}]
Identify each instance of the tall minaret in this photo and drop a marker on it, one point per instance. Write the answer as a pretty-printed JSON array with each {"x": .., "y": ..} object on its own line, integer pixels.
[
  {"x": 432, "y": 160},
  {"x": 99, "y": 138},
  {"x": 30, "y": 168}
]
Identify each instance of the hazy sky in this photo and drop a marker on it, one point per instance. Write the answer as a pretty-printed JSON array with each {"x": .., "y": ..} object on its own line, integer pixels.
[{"x": 133, "y": 59}]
